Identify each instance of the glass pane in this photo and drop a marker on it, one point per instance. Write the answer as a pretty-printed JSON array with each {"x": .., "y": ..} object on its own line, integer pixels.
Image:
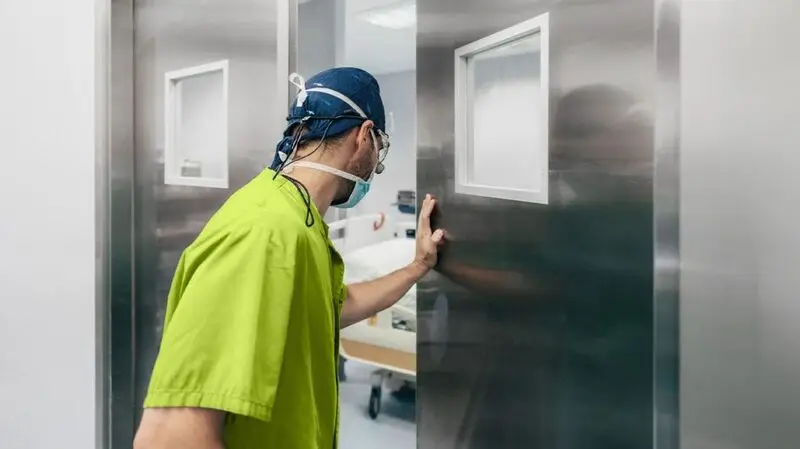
[
  {"x": 201, "y": 143},
  {"x": 506, "y": 110}
]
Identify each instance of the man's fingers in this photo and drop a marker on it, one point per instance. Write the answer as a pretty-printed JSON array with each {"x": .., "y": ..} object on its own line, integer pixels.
[
  {"x": 425, "y": 214},
  {"x": 438, "y": 236}
]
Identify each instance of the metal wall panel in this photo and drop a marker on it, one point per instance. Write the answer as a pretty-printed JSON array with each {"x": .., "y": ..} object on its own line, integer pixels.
[
  {"x": 537, "y": 329},
  {"x": 119, "y": 217},
  {"x": 170, "y": 35},
  {"x": 104, "y": 232},
  {"x": 740, "y": 245},
  {"x": 666, "y": 238}
]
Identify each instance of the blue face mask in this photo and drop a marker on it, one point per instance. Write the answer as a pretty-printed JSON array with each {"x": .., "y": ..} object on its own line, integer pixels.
[{"x": 360, "y": 189}]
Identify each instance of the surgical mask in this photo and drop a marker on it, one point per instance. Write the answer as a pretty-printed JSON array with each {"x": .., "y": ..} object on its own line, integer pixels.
[{"x": 360, "y": 189}]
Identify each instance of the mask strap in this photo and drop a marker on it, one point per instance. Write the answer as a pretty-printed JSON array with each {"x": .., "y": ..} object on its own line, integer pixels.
[
  {"x": 350, "y": 103},
  {"x": 302, "y": 94},
  {"x": 325, "y": 168},
  {"x": 300, "y": 83},
  {"x": 390, "y": 123},
  {"x": 340, "y": 96}
]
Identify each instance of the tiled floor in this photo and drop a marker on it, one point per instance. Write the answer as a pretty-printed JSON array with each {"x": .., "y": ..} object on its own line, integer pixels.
[{"x": 395, "y": 427}]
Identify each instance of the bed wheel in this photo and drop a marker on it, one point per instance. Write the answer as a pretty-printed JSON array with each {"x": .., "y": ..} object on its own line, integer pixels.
[{"x": 375, "y": 402}]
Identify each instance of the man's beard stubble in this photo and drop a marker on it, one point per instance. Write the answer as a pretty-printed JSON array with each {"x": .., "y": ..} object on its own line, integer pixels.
[
  {"x": 358, "y": 168},
  {"x": 343, "y": 192}
]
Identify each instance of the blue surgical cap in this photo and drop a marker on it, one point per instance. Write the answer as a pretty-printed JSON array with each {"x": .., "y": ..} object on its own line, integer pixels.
[{"x": 324, "y": 115}]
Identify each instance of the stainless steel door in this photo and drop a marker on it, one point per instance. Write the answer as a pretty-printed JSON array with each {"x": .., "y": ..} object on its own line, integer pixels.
[
  {"x": 537, "y": 329},
  {"x": 171, "y": 35}
]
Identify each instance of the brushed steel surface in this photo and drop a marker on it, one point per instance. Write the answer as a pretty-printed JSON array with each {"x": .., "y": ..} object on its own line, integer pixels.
[
  {"x": 740, "y": 245},
  {"x": 120, "y": 164},
  {"x": 104, "y": 202},
  {"x": 666, "y": 343},
  {"x": 173, "y": 34},
  {"x": 537, "y": 329}
]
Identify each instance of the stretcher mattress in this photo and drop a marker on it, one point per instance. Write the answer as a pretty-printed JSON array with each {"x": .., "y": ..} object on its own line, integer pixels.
[{"x": 380, "y": 259}]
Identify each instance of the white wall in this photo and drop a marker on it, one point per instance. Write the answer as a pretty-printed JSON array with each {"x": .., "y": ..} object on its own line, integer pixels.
[
  {"x": 376, "y": 49},
  {"x": 47, "y": 216},
  {"x": 318, "y": 35},
  {"x": 321, "y": 44},
  {"x": 398, "y": 91}
]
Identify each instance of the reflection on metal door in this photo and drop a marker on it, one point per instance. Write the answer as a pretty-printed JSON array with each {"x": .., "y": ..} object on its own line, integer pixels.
[
  {"x": 171, "y": 35},
  {"x": 549, "y": 306},
  {"x": 151, "y": 38}
]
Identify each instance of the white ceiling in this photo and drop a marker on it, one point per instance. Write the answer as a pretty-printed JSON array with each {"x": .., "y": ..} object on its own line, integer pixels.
[{"x": 376, "y": 49}]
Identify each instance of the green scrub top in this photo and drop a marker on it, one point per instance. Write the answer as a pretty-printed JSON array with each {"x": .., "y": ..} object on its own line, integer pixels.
[{"x": 252, "y": 323}]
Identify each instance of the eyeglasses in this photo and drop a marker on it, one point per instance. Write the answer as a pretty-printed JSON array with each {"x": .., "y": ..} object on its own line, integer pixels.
[
  {"x": 379, "y": 137},
  {"x": 382, "y": 143}
]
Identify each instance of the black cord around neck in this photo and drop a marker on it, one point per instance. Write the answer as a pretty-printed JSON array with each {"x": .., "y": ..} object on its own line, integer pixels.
[
  {"x": 297, "y": 138},
  {"x": 310, "y": 220}
]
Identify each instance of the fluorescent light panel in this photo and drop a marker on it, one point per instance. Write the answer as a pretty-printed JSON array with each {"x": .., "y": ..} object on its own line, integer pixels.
[{"x": 396, "y": 16}]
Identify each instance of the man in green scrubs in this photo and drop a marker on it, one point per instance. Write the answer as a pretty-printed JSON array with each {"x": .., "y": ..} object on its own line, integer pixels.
[{"x": 248, "y": 358}]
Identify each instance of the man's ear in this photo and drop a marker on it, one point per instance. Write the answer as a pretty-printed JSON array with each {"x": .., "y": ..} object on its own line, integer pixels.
[{"x": 364, "y": 136}]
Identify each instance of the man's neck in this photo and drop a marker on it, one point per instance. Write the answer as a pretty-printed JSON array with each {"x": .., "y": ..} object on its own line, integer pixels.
[{"x": 321, "y": 186}]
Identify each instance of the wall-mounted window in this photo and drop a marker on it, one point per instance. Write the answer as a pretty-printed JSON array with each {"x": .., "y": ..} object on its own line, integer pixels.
[
  {"x": 196, "y": 128},
  {"x": 502, "y": 114}
]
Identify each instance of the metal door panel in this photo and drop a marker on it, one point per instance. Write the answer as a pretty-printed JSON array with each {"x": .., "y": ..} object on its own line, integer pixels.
[
  {"x": 537, "y": 329},
  {"x": 170, "y": 35}
]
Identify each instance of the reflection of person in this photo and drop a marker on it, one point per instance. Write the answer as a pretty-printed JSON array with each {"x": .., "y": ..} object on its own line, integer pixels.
[
  {"x": 249, "y": 352},
  {"x": 600, "y": 247},
  {"x": 563, "y": 289},
  {"x": 600, "y": 163},
  {"x": 600, "y": 148},
  {"x": 490, "y": 282}
]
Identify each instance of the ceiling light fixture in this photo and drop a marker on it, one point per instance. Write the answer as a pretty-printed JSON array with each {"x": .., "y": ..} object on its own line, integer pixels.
[{"x": 396, "y": 16}]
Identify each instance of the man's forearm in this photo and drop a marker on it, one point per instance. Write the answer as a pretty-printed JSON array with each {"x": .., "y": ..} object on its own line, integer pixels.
[
  {"x": 180, "y": 428},
  {"x": 365, "y": 299}
]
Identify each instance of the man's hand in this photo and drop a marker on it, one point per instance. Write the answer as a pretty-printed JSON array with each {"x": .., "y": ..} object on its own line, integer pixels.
[
  {"x": 428, "y": 240},
  {"x": 366, "y": 299}
]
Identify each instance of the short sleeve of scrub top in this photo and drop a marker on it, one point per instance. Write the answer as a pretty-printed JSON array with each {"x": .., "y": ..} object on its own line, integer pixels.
[{"x": 226, "y": 325}]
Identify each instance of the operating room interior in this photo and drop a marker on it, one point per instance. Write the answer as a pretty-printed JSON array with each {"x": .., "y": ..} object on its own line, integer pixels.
[
  {"x": 617, "y": 180},
  {"x": 380, "y": 37}
]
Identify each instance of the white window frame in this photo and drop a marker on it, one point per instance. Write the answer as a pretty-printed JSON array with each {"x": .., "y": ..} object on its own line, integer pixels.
[
  {"x": 539, "y": 25},
  {"x": 172, "y": 114}
]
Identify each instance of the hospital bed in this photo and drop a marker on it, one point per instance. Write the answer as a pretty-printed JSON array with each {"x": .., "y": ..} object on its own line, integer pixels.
[{"x": 372, "y": 246}]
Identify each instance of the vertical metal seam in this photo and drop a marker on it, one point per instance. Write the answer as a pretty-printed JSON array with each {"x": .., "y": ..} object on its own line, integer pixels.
[
  {"x": 666, "y": 232},
  {"x": 102, "y": 54},
  {"x": 133, "y": 214},
  {"x": 286, "y": 55}
]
